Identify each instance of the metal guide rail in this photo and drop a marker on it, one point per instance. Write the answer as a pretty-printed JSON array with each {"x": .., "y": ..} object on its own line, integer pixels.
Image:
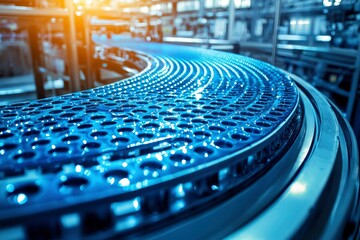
[{"x": 195, "y": 133}]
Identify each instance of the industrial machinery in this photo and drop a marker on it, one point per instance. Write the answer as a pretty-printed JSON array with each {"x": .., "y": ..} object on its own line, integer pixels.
[{"x": 197, "y": 144}]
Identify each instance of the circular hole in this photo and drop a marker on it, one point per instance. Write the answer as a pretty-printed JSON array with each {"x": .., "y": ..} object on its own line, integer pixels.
[
  {"x": 40, "y": 142},
  {"x": 202, "y": 134},
  {"x": 197, "y": 120},
  {"x": 90, "y": 145},
  {"x": 252, "y": 130},
  {"x": 98, "y": 134},
  {"x": 275, "y": 113},
  {"x": 208, "y": 108},
  {"x": 84, "y": 126},
  {"x": 180, "y": 157},
  {"x": 209, "y": 117},
  {"x": 219, "y": 114},
  {"x": 179, "y": 110},
  {"x": 129, "y": 106},
  {"x": 248, "y": 114},
  {"x": 108, "y": 123},
  {"x": 185, "y": 125},
  {"x": 60, "y": 129},
  {"x": 145, "y": 135},
  {"x": 8, "y": 146},
  {"x": 171, "y": 119},
  {"x": 182, "y": 141},
  {"x": 223, "y": 144},
  {"x": 58, "y": 150},
  {"x": 48, "y": 124},
  {"x": 32, "y": 132},
  {"x": 271, "y": 119},
  {"x": 151, "y": 125},
  {"x": 73, "y": 182},
  {"x": 151, "y": 165},
  {"x": 168, "y": 130},
  {"x": 204, "y": 151},
  {"x": 9, "y": 115},
  {"x": 165, "y": 113},
  {"x": 120, "y": 140},
  {"x": 229, "y": 123},
  {"x": 151, "y": 117},
  {"x": 77, "y": 108},
  {"x": 76, "y": 120},
  {"x": 188, "y": 115},
  {"x": 117, "y": 176},
  {"x": 70, "y": 138},
  {"x": 154, "y": 107},
  {"x": 24, "y": 156},
  {"x": 6, "y": 135},
  {"x": 131, "y": 120},
  {"x": 20, "y": 194},
  {"x": 199, "y": 111},
  {"x": 97, "y": 117},
  {"x": 263, "y": 124},
  {"x": 67, "y": 115},
  {"x": 217, "y": 128},
  {"x": 280, "y": 109},
  {"x": 46, "y": 118},
  {"x": 125, "y": 129},
  {"x": 56, "y": 111},
  {"x": 239, "y": 137}
]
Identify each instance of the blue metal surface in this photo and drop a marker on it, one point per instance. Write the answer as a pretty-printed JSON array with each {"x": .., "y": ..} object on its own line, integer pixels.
[{"x": 188, "y": 110}]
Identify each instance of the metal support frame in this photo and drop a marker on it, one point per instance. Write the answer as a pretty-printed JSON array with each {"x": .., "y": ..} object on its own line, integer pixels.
[
  {"x": 71, "y": 48},
  {"x": 32, "y": 12},
  {"x": 276, "y": 27},
  {"x": 89, "y": 82},
  {"x": 231, "y": 19},
  {"x": 35, "y": 53}
]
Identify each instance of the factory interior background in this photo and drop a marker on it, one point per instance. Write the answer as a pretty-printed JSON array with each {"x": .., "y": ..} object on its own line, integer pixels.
[{"x": 51, "y": 48}]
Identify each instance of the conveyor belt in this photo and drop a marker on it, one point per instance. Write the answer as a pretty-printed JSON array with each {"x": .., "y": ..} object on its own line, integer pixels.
[{"x": 193, "y": 130}]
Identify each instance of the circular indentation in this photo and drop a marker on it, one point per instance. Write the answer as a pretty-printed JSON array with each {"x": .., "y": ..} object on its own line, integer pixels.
[
  {"x": 21, "y": 194},
  {"x": 125, "y": 130},
  {"x": 8, "y": 146},
  {"x": 24, "y": 156},
  {"x": 165, "y": 113},
  {"x": 154, "y": 107},
  {"x": 247, "y": 114},
  {"x": 252, "y": 130},
  {"x": 41, "y": 142},
  {"x": 199, "y": 120},
  {"x": 151, "y": 165},
  {"x": 229, "y": 123},
  {"x": 97, "y": 117},
  {"x": 77, "y": 108},
  {"x": 58, "y": 150},
  {"x": 9, "y": 115},
  {"x": 188, "y": 115},
  {"x": 44, "y": 118},
  {"x": 73, "y": 183},
  {"x": 202, "y": 134},
  {"x": 223, "y": 144},
  {"x": 31, "y": 133},
  {"x": 208, "y": 108},
  {"x": 275, "y": 113},
  {"x": 217, "y": 128},
  {"x": 145, "y": 135},
  {"x": 217, "y": 113},
  {"x": 108, "y": 123},
  {"x": 48, "y": 124},
  {"x": 204, "y": 151},
  {"x": 120, "y": 140},
  {"x": 239, "y": 137},
  {"x": 151, "y": 125},
  {"x": 271, "y": 119},
  {"x": 117, "y": 176},
  {"x": 90, "y": 145},
  {"x": 98, "y": 134},
  {"x": 179, "y": 110},
  {"x": 209, "y": 117},
  {"x": 263, "y": 124},
  {"x": 180, "y": 157},
  {"x": 60, "y": 129},
  {"x": 85, "y": 126},
  {"x": 56, "y": 111}
]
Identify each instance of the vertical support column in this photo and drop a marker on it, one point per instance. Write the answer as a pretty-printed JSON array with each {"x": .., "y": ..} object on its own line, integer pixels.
[
  {"x": 202, "y": 8},
  {"x": 231, "y": 20},
  {"x": 35, "y": 54},
  {"x": 89, "y": 53},
  {"x": 354, "y": 85},
  {"x": 275, "y": 34},
  {"x": 71, "y": 47}
]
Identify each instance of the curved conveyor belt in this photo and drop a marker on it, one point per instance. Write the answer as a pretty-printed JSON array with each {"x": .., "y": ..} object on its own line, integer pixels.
[{"x": 202, "y": 142}]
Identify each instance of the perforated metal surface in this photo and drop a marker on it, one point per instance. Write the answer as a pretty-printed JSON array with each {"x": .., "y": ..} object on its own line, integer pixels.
[{"x": 185, "y": 111}]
